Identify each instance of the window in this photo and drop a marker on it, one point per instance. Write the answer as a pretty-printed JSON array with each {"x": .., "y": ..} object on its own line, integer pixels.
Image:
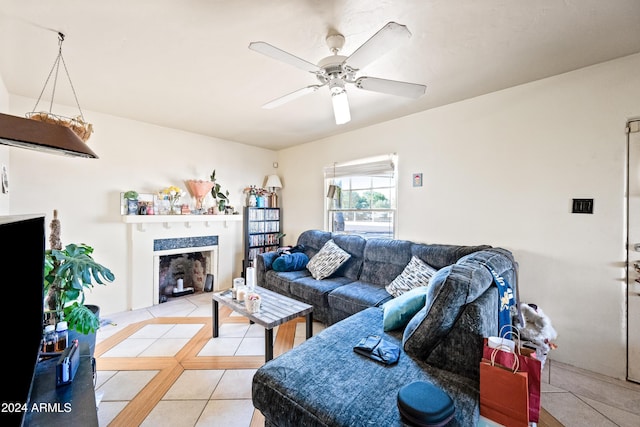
[{"x": 361, "y": 197}]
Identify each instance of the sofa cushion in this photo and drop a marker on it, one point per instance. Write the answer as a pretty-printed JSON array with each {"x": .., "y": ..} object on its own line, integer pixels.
[
  {"x": 327, "y": 261},
  {"x": 291, "y": 262},
  {"x": 315, "y": 292},
  {"x": 399, "y": 311},
  {"x": 280, "y": 281},
  {"x": 438, "y": 255},
  {"x": 416, "y": 273},
  {"x": 449, "y": 290},
  {"x": 313, "y": 240},
  {"x": 354, "y": 245},
  {"x": 384, "y": 260},
  {"x": 356, "y": 296}
]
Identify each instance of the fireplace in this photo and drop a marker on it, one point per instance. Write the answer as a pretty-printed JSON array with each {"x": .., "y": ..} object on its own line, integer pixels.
[
  {"x": 217, "y": 237},
  {"x": 186, "y": 259}
]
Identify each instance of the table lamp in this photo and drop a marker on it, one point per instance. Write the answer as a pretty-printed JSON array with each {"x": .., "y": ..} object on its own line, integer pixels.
[{"x": 273, "y": 184}]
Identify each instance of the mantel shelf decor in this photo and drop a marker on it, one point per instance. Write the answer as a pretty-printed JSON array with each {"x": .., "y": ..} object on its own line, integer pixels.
[
  {"x": 199, "y": 190},
  {"x": 169, "y": 220}
]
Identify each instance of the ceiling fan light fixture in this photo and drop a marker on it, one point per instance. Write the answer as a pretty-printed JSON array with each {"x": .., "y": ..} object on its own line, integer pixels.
[
  {"x": 336, "y": 85},
  {"x": 336, "y": 70},
  {"x": 341, "y": 107}
]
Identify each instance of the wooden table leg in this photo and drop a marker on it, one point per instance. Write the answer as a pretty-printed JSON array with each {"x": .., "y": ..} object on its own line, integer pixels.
[
  {"x": 309, "y": 325},
  {"x": 268, "y": 344}
]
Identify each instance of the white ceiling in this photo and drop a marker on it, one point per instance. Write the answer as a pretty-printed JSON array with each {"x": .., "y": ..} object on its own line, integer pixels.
[{"x": 186, "y": 64}]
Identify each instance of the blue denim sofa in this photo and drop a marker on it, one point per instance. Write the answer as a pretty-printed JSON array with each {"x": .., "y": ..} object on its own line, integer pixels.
[
  {"x": 360, "y": 282},
  {"x": 323, "y": 382}
]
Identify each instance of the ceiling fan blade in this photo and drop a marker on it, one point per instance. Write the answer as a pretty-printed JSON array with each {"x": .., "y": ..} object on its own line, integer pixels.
[
  {"x": 281, "y": 55},
  {"x": 380, "y": 43},
  {"x": 391, "y": 87},
  {"x": 290, "y": 97}
]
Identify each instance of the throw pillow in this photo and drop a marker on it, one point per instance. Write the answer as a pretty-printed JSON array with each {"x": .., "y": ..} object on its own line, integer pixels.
[
  {"x": 327, "y": 260},
  {"x": 290, "y": 262},
  {"x": 399, "y": 311},
  {"x": 416, "y": 273}
]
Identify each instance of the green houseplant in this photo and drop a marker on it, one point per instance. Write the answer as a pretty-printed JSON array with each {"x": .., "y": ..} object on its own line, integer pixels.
[
  {"x": 131, "y": 195},
  {"x": 220, "y": 199},
  {"x": 68, "y": 273}
]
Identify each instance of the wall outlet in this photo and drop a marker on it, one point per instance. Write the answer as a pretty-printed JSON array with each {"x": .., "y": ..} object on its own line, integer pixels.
[{"x": 584, "y": 206}]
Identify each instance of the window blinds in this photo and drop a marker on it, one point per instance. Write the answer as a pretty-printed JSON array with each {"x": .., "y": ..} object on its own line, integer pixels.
[{"x": 372, "y": 166}]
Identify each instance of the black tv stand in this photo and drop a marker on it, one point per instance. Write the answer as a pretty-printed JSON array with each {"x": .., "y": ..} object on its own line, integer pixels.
[{"x": 69, "y": 405}]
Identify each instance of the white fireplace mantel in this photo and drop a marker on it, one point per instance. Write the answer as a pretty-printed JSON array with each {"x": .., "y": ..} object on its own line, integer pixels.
[
  {"x": 170, "y": 220},
  {"x": 143, "y": 230}
]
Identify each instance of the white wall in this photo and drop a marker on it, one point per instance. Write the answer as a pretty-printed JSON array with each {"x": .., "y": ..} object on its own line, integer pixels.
[
  {"x": 502, "y": 169},
  {"x": 133, "y": 155}
]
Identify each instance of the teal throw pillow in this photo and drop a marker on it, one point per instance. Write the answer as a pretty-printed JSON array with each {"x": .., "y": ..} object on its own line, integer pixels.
[
  {"x": 290, "y": 262},
  {"x": 400, "y": 310}
]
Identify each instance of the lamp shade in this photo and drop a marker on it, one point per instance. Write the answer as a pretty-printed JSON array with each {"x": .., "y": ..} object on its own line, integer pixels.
[{"x": 273, "y": 181}]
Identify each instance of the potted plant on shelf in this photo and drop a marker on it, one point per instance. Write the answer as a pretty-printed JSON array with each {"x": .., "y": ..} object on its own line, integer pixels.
[
  {"x": 220, "y": 199},
  {"x": 68, "y": 273},
  {"x": 132, "y": 202}
]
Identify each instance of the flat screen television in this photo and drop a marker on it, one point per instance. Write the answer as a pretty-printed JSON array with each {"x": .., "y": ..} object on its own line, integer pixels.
[{"x": 22, "y": 246}]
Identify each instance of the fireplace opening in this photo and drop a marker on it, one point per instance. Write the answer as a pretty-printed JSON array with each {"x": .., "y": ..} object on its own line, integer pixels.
[
  {"x": 187, "y": 263},
  {"x": 182, "y": 274}
]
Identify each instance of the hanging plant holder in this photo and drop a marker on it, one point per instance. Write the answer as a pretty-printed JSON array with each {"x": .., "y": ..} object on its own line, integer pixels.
[{"x": 77, "y": 124}]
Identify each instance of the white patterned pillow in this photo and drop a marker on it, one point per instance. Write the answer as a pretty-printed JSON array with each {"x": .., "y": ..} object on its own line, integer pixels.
[
  {"x": 327, "y": 260},
  {"x": 416, "y": 273}
]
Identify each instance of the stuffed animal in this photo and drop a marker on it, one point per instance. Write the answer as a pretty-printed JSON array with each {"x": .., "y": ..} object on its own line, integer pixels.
[{"x": 537, "y": 330}]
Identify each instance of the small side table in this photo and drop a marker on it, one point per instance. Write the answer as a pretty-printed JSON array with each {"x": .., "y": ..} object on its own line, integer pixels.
[{"x": 275, "y": 310}]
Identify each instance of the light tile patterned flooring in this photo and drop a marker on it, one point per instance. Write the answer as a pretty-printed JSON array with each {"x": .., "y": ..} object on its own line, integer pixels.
[{"x": 160, "y": 367}]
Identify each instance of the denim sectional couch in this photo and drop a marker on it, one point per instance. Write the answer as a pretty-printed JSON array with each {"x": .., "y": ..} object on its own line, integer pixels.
[
  {"x": 360, "y": 282},
  {"x": 323, "y": 382}
]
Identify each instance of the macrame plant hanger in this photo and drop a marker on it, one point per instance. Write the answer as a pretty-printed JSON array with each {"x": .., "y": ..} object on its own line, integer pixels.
[{"x": 78, "y": 123}]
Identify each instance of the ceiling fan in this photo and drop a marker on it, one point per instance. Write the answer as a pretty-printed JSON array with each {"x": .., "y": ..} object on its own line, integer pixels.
[{"x": 336, "y": 71}]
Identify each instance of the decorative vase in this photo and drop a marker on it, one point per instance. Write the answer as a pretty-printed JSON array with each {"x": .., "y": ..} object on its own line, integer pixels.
[
  {"x": 173, "y": 209},
  {"x": 253, "y": 200},
  {"x": 200, "y": 189}
]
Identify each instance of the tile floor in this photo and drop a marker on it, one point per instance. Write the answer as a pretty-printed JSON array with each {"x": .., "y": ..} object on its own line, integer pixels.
[{"x": 573, "y": 396}]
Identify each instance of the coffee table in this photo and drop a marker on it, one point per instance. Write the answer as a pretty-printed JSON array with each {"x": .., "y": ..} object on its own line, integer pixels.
[{"x": 275, "y": 310}]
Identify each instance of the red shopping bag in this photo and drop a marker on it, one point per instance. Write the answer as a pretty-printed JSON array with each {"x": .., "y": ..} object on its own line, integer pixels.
[
  {"x": 526, "y": 363},
  {"x": 504, "y": 395}
]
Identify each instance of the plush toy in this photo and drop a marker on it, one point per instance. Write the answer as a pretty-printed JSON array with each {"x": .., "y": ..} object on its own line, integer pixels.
[{"x": 537, "y": 330}]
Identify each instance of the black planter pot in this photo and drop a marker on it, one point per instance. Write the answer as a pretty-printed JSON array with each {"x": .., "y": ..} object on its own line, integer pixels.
[{"x": 86, "y": 340}]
